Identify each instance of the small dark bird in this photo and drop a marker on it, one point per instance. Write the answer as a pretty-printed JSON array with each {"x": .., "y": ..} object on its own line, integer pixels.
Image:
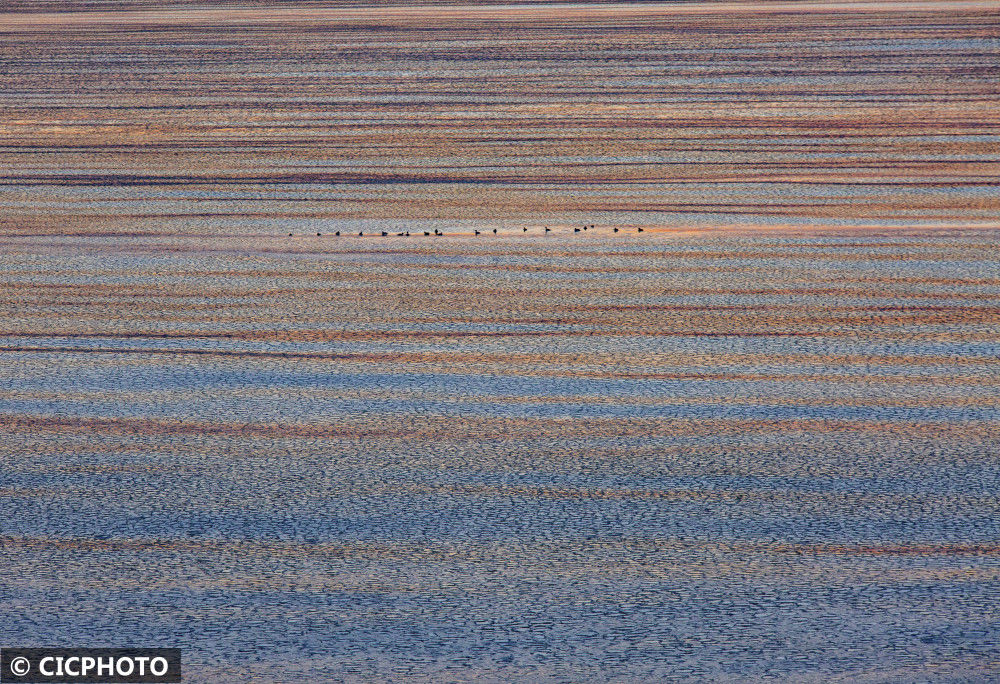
[
  {"x": 426, "y": 233},
  {"x": 384, "y": 233},
  {"x": 585, "y": 227},
  {"x": 548, "y": 230},
  {"x": 640, "y": 230},
  {"x": 318, "y": 234},
  {"x": 361, "y": 233},
  {"x": 337, "y": 233},
  {"x": 407, "y": 233},
  {"x": 616, "y": 230},
  {"x": 476, "y": 232},
  {"x": 576, "y": 230},
  {"x": 494, "y": 231},
  {"x": 399, "y": 234},
  {"x": 289, "y": 235},
  {"x": 524, "y": 230}
]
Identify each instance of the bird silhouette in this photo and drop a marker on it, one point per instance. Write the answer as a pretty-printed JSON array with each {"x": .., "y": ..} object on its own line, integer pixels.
[
  {"x": 476, "y": 232},
  {"x": 426, "y": 233},
  {"x": 524, "y": 230},
  {"x": 384, "y": 233},
  {"x": 616, "y": 230},
  {"x": 361, "y": 233},
  {"x": 494, "y": 231},
  {"x": 576, "y": 230},
  {"x": 548, "y": 230},
  {"x": 640, "y": 230},
  {"x": 337, "y": 233},
  {"x": 289, "y": 235},
  {"x": 318, "y": 234}
]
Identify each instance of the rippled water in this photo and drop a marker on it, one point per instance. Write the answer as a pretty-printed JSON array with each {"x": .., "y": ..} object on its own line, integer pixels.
[
  {"x": 269, "y": 118},
  {"x": 758, "y": 440},
  {"x": 575, "y": 457}
]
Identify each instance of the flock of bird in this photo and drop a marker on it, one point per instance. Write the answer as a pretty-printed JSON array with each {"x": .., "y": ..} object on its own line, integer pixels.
[{"x": 439, "y": 233}]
